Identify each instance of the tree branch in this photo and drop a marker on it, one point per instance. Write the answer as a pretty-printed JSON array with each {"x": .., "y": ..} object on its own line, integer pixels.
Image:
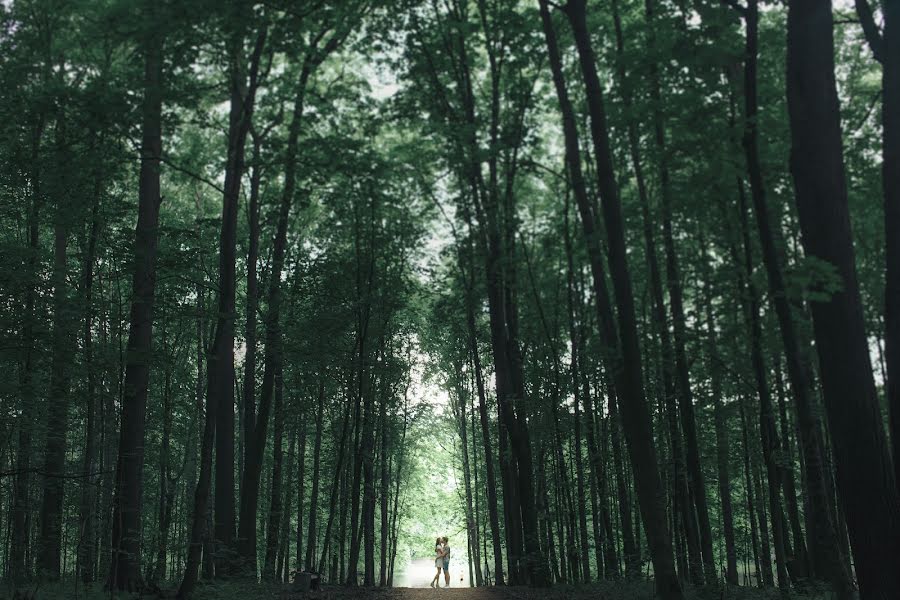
[{"x": 870, "y": 29}]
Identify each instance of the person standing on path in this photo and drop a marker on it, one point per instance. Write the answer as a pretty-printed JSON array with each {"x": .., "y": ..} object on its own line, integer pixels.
[
  {"x": 438, "y": 563},
  {"x": 446, "y": 556}
]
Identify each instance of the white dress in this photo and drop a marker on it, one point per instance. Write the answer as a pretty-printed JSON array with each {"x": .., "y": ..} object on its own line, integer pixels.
[{"x": 438, "y": 560}]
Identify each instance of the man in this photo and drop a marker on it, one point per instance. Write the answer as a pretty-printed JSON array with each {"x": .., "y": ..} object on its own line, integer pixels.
[{"x": 446, "y": 543}]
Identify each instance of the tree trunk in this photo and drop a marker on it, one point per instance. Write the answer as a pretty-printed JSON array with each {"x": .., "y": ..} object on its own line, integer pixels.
[
  {"x": 866, "y": 482},
  {"x": 126, "y": 531},
  {"x": 722, "y": 439},
  {"x": 221, "y": 358},
  {"x": 199, "y": 525},
  {"x": 890, "y": 118},
  {"x": 272, "y": 357},
  {"x": 249, "y": 395},
  {"x": 87, "y": 549},
  {"x": 275, "y": 507},
  {"x": 335, "y": 487},
  {"x": 301, "y": 487},
  {"x": 384, "y": 491},
  {"x": 762, "y": 565},
  {"x": 283, "y": 564},
  {"x": 768, "y": 432},
  {"x": 607, "y": 328},
  {"x": 311, "y": 536},
  {"x": 368, "y": 516},
  {"x": 493, "y": 517}
]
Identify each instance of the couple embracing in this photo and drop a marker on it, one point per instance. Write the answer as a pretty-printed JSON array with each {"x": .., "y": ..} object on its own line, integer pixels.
[{"x": 441, "y": 561}]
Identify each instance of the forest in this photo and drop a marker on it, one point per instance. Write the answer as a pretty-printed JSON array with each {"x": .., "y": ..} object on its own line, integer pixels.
[{"x": 605, "y": 291}]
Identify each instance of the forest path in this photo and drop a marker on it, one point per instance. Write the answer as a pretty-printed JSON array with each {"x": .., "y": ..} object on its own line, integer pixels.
[{"x": 460, "y": 593}]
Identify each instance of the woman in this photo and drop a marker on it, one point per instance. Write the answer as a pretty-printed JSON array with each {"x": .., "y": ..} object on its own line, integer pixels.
[{"x": 438, "y": 562}]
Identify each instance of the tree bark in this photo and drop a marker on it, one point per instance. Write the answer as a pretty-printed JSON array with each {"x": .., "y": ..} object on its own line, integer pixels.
[
  {"x": 275, "y": 506},
  {"x": 722, "y": 438},
  {"x": 87, "y": 549},
  {"x": 311, "y": 536},
  {"x": 199, "y": 526},
  {"x": 866, "y": 482},
  {"x": 126, "y": 525},
  {"x": 242, "y": 88}
]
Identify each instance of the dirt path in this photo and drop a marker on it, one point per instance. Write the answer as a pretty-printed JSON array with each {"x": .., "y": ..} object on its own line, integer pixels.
[{"x": 466, "y": 593}]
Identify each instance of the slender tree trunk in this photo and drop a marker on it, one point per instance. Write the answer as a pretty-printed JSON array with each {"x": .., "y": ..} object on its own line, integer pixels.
[
  {"x": 866, "y": 483},
  {"x": 301, "y": 486},
  {"x": 283, "y": 564},
  {"x": 87, "y": 549},
  {"x": 493, "y": 517},
  {"x": 199, "y": 521},
  {"x": 768, "y": 432},
  {"x": 762, "y": 562},
  {"x": 368, "y": 516},
  {"x": 249, "y": 395},
  {"x": 384, "y": 491},
  {"x": 275, "y": 507},
  {"x": 221, "y": 357},
  {"x": 311, "y": 537},
  {"x": 126, "y": 532},
  {"x": 722, "y": 440},
  {"x": 334, "y": 496},
  {"x": 890, "y": 118}
]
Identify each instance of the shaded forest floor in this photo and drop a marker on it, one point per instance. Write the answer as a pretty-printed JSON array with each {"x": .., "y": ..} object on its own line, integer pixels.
[{"x": 237, "y": 591}]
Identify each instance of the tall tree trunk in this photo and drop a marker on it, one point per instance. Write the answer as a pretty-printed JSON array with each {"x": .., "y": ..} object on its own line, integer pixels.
[
  {"x": 866, "y": 483},
  {"x": 384, "y": 492},
  {"x": 890, "y": 118},
  {"x": 249, "y": 395},
  {"x": 312, "y": 535},
  {"x": 87, "y": 549},
  {"x": 762, "y": 561},
  {"x": 721, "y": 432},
  {"x": 768, "y": 432},
  {"x": 283, "y": 564},
  {"x": 368, "y": 516},
  {"x": 301, "y": 486},
  {"x": 493, "y": 517},
  {"x": 200, "y": 527},
  {"x": 221, "y": 358},
  {"x": 335, "y": 488},
  {"x": 275, "y": 507},
  {"x": 635, "y": 414},
  {"x": 272, "y": 357},
  {"x": 167, "y": 483},
  {"x": 126, "y": 525}
]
